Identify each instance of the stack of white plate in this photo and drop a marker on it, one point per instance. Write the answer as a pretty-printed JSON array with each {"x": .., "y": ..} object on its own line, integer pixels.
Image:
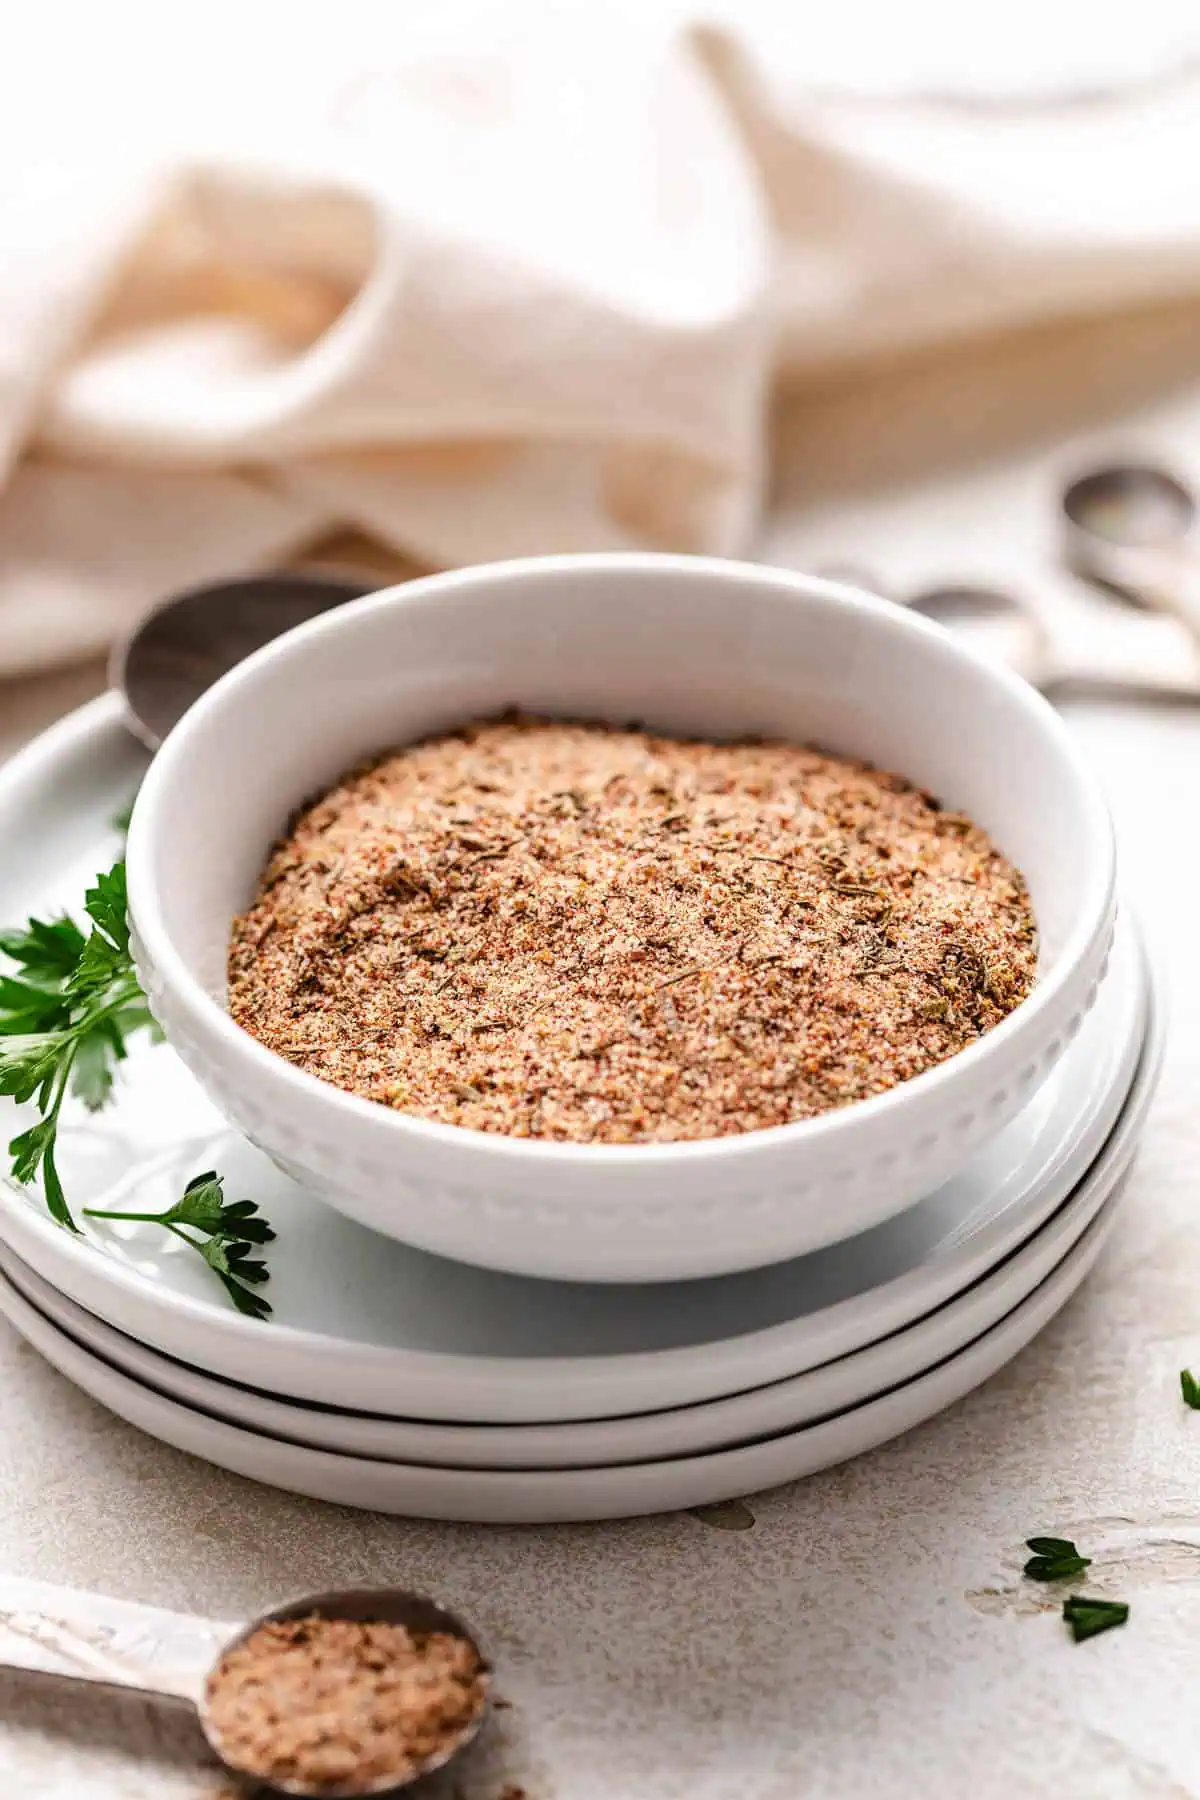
[{"x": 391, "y": 1379}]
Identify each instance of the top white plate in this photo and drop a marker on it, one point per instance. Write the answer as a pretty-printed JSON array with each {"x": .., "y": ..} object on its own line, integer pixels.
[{"x": 367, "y": 1323}]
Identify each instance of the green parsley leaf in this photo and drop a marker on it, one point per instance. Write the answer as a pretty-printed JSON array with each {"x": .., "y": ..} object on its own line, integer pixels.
[
  {"x": 228, "y": 1263},
  {"x": 28, "y": 1149},
  {"x": 100, "y": 963},
  {"x": 26, "y": 1007},
  {"x": 1054, "y": 1559},
  {"x": 33, "y": 1153},
  {"x": 202, "y": 1204},
  {"x": 92, "y": 1072},
  {"x": 240, "y": 1218},
  {"x": 253, "y": 1305},
  {"x": 1056, "y": 1568},
  {"x": 107, "y": 906},
  {"x": 1190, "y": 1388},
  {"x": 1088, "y": 1618},
  {"x": 28, "y": 1064},
  {"x": 44, "y": 948}
]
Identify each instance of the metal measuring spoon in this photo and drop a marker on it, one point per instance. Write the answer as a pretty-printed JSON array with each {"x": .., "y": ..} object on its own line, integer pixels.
[
  {"x": 1082, "y": 656},
  {"x": 1131, "y": 528},
  {"x": 188, "y": 642},
  {"x": 145, "y": 1671},
  {"x": 1095, "y": 654}
]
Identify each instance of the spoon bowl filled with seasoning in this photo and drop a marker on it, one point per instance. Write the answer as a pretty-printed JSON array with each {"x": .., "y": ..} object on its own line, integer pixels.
[
  {"x": 353, "y": 1693},
  {"x": 345, "y": 1695},
  {"x": 620, "y": 917}
]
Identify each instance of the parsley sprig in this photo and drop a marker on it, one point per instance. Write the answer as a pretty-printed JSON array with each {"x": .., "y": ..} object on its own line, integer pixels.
[
  {"x": 228, "y": 1232},
  {"x": 65, "y": 1022}
]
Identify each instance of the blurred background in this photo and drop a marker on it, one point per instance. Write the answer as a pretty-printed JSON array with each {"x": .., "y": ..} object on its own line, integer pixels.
[{"x": 380, "y": 289}]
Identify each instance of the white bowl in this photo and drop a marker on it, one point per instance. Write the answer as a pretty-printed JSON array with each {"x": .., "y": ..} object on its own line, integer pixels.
[{"x": 690, "y": 646}]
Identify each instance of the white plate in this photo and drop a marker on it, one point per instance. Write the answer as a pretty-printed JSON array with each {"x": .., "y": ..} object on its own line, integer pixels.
[
  {"x": 545, "y": 1496},
  {"x": 687, "y": 1431},
  {"x": 366, "y": 1323}
]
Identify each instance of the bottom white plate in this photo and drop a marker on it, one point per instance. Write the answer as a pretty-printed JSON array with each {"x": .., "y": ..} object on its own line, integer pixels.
[{"x": 548, "y": 1496}]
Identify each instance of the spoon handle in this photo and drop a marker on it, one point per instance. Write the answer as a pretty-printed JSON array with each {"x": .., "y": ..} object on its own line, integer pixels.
[
  {"x": 1171, "y": 584},
  {"x": 90, "y": 1637},
  {"x": 1165, "y": 578}
]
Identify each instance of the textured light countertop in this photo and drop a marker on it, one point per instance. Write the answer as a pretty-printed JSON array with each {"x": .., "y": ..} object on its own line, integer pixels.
[{"x": 869, "y": 1636}]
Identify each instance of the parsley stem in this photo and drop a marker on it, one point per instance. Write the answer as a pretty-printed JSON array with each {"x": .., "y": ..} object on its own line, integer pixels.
[
  {"x": 100, "y": 1212},
  {"x": 128, "y": 993},
  {"x": 56, "y": 1199},
  {"x": 183, "y": 1236}
]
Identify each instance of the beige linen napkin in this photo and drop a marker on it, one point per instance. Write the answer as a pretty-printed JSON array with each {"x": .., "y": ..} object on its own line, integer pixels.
[{"x": 503, "y": 280}]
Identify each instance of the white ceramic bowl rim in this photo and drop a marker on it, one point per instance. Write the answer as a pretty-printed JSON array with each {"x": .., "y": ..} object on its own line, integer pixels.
[{"x": 1099, "y": 883}]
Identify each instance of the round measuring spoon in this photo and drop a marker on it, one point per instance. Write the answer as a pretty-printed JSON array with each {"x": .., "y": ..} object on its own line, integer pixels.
[
  {"x": 191, "y": 640},
  {"x": 1131, "y": 528},
  {"x": 1101, "y": 654},
  {"x": 385, "y": 1605}
]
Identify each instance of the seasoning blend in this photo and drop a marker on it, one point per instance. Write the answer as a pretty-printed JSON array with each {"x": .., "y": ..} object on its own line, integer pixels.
[
  {"x": 343, "y": 1706},
  {"x": 596, "y": 935}
]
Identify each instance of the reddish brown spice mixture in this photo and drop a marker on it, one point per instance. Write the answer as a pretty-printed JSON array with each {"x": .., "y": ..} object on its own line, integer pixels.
[
  {"x": 340, "y": 1706},
  {"x": 572, "y": 932}
]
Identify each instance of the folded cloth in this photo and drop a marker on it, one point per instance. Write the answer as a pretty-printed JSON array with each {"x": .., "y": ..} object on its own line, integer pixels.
[{"x": 494, "y": 280}]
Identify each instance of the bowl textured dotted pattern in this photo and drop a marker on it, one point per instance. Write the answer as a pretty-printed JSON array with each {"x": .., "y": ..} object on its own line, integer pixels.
[{"x": 688, "y": 645}]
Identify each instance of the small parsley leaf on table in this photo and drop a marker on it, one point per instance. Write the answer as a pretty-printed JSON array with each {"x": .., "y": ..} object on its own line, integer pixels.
[
  {"x": 1054, "y": 1559},
  {"x": 1088, "y": 1618},
  {"x": 1190, "y": 1388}
]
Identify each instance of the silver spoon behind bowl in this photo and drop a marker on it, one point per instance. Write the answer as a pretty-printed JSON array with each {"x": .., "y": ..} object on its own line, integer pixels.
[
  {"x": 382, "y": 1605},
  {"x": 188, "y": 642}
]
